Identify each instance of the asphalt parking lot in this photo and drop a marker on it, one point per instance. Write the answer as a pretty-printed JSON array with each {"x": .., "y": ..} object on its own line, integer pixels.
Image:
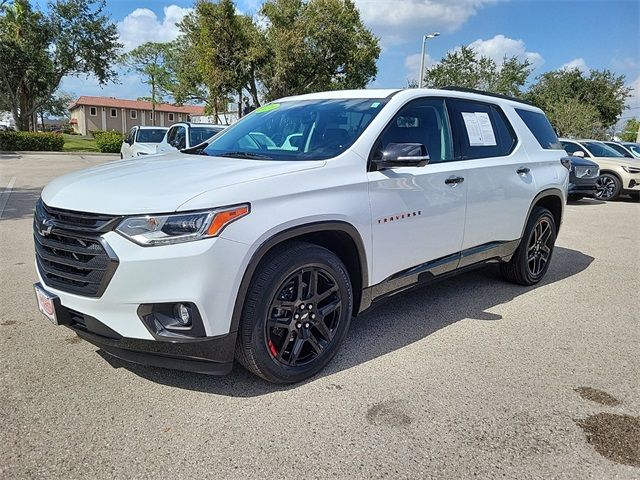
[{"x": 470, "y": 377}]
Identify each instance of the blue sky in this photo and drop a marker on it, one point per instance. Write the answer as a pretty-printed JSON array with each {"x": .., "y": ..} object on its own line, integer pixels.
[{"x": 552, "y": 34}]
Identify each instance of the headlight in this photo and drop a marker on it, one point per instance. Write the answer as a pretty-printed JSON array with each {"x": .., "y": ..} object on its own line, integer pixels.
[
  {"x": 152, "y": 230},
  {"x": 631, "y": 169}
]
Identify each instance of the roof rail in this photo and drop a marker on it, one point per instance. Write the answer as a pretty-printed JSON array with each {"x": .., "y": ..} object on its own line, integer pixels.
[{"x": 488, "y": 94}]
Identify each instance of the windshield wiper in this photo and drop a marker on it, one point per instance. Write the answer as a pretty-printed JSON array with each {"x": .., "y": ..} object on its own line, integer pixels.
[{"x": 249, "y": 155}]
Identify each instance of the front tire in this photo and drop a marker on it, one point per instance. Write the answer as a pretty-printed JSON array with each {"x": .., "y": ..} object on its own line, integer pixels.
[
  {"x": 532, "y": 258},
  {"x": 608, "y": 187},
  {"x": 296, "y": 315}
]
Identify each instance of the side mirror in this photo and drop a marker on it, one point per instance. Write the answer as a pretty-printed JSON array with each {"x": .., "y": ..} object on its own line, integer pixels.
[
  {"x": 578, "y": 153},
  {"x": 403, "y": 155}
]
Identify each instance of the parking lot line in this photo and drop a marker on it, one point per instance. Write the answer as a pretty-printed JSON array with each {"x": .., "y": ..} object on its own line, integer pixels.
[{"x": 4, "y": 195}]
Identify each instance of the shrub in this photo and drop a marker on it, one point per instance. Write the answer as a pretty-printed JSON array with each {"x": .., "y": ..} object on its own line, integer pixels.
[
  {"x": 108, "y": 142},
  {"x": 31, "y": 141}
]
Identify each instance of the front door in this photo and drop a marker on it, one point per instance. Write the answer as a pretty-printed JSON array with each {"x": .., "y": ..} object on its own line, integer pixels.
[{"x": 418, "y": 213}]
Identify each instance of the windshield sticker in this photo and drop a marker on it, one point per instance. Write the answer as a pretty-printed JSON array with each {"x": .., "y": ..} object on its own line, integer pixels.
[
  {"x": 267, "y": 108},
  {"x": 375, "y": 105},
  {"x": 479, "y": 129}
]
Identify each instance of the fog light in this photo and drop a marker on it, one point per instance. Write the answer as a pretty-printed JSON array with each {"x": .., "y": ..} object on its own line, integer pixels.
[{"x": 182, "y": 314}]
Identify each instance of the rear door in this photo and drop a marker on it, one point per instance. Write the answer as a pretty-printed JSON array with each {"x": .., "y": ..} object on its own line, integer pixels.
[{"x": 501, "y": 177}]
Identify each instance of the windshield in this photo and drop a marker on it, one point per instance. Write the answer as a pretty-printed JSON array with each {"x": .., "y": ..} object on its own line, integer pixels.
[
  {"x": 598, "y": 149},
  {"x": 201, "y": 134},
  {"x": 300, "y": 130},
  {"x": 635, "y": 149},
  {"x": 150, "y": 135}
]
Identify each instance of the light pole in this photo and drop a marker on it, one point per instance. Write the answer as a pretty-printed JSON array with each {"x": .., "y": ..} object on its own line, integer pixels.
[{"x": 424, "y": 51}]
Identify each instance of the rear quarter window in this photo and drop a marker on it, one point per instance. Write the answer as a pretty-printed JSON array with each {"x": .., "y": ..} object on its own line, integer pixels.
[{"x": 539, "y": 125}]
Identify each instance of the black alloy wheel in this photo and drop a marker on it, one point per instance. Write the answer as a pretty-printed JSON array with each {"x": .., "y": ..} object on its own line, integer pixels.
[
  {"x": 296, "y": 313},
  {"x": 531, "y": 260},
  {"x": 607, "y": 187},
  {"x": 539, "y": 247},
  {"x": 303, "y": 317}
]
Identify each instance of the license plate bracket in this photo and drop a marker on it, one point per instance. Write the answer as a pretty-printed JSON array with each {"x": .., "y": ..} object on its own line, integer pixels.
[{"x": 48, "y": 304}]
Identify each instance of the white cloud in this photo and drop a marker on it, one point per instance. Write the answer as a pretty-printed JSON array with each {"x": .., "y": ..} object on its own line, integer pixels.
[
  {"x": 412, "y": 65},
  {"x": 143, "y": 25},
  {"x": 401, "y": 21},
  {"x": 500, "y": 46},
  {"x": 578, "y": 63}
]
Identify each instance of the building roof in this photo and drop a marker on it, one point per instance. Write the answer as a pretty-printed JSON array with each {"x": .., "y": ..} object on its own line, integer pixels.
[{"x": 135, "y": 105}]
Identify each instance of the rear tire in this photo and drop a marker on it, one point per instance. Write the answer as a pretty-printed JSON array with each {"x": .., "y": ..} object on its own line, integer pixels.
[
  {"x": 532, "y": 258},
  {"x": 296, "y": 314},
  {"x": 608, "y": 187}
]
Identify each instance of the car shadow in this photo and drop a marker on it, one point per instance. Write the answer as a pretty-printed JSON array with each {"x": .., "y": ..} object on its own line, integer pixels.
[
  {"x": 586, "y": 201},
  {"x": 20, "y": 203},
  {"x": 398, "y": 322}
]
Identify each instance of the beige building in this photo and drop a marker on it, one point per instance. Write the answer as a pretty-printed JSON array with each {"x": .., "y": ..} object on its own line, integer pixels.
[{"x": 108, "y": 113}]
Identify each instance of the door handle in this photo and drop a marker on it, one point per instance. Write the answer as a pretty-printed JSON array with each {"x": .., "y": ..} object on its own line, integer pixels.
[
  {"x": 454, "y": 180},
  {"x": 523, "y": 171}
]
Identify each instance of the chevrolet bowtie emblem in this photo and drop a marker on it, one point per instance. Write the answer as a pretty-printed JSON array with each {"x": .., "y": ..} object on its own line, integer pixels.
[{"x": 45, "y": 227}]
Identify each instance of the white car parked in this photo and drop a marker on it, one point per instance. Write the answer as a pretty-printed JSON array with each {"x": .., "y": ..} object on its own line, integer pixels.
[
  {"x": 265, "y": 253},
  {"x": 142, "y": 141},
  {"x": 187, "y": 135}
]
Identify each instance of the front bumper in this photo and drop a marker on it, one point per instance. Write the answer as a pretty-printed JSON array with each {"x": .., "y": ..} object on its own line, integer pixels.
[
  {"x": 582, "y": 186},
  {"x": 207, "y": 355}
]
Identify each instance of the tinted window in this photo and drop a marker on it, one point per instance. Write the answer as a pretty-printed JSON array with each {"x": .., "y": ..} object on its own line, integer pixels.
[
  {"x": 541, "y": 128},
  {"x": 598, "y": 149},
  {"x": 200, "y": 134},
  {"x": 180, "y": 141},
  {"x": 171, "y": 135},
  {"x": 481, "y": 130},
  {"x": 421, "y": 121},
  {"x": 131, "y": 135},
  {"x": 151, "y": 135},
  {"x": 571, "y": 148},
  {"x": 620, "y": 149},
  {"x": 297, "y": 130}
]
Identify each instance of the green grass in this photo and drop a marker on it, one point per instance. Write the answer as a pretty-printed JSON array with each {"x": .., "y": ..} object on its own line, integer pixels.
[{"x": 76, "y": 143}]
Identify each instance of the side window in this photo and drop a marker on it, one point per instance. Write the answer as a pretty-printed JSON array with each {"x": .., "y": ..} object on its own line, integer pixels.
[
  {"x": 132, "y": 135},
  {"x": 171, "y": 135},
  {"x": 422, "y": 121},
  {"x": 180, "y": 141},
  {"x": 481, "y": 130},
  {"x": 572, "y": 148}
]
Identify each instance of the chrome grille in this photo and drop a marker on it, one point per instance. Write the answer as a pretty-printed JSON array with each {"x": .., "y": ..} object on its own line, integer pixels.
[
  {"x": 70, "y": 254},
  {"x": 587, "y": 172}
]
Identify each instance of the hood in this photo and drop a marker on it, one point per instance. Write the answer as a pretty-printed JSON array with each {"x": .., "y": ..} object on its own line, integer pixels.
[
  {"x": 614, "y": 162},
  {"x": 147, "y": 148},
  {"x": 158, "y": 184}
]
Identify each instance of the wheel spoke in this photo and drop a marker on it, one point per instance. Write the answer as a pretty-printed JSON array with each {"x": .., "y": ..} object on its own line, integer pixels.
[
  {"x": 546, "y": 232},
  {"x": 330, "y": 307},
  {"x": 312, "y": 290},
  {"x": 295, "y": 350},
  {"x": 326, "y": 294},
  {"x": 323, "y": 330},
  {"x": 285, "y": 343},
  {"x": 313, "y": 341},
  {"x": 279, "y": 323},
  {"x": 300, "y": 285}
]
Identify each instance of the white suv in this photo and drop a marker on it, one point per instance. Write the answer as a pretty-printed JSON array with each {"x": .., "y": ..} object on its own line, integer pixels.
[
  {"x": 265, "y": 253},
  {"x": 187, "y": 135},
  {"x": 142, "y": 141}
]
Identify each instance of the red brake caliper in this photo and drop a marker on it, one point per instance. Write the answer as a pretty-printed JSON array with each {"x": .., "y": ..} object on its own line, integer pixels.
[{"x": 272, "y": 347}]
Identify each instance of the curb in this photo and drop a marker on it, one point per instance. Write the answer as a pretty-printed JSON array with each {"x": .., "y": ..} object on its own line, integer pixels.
[{"x": 59, "y": 153}]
